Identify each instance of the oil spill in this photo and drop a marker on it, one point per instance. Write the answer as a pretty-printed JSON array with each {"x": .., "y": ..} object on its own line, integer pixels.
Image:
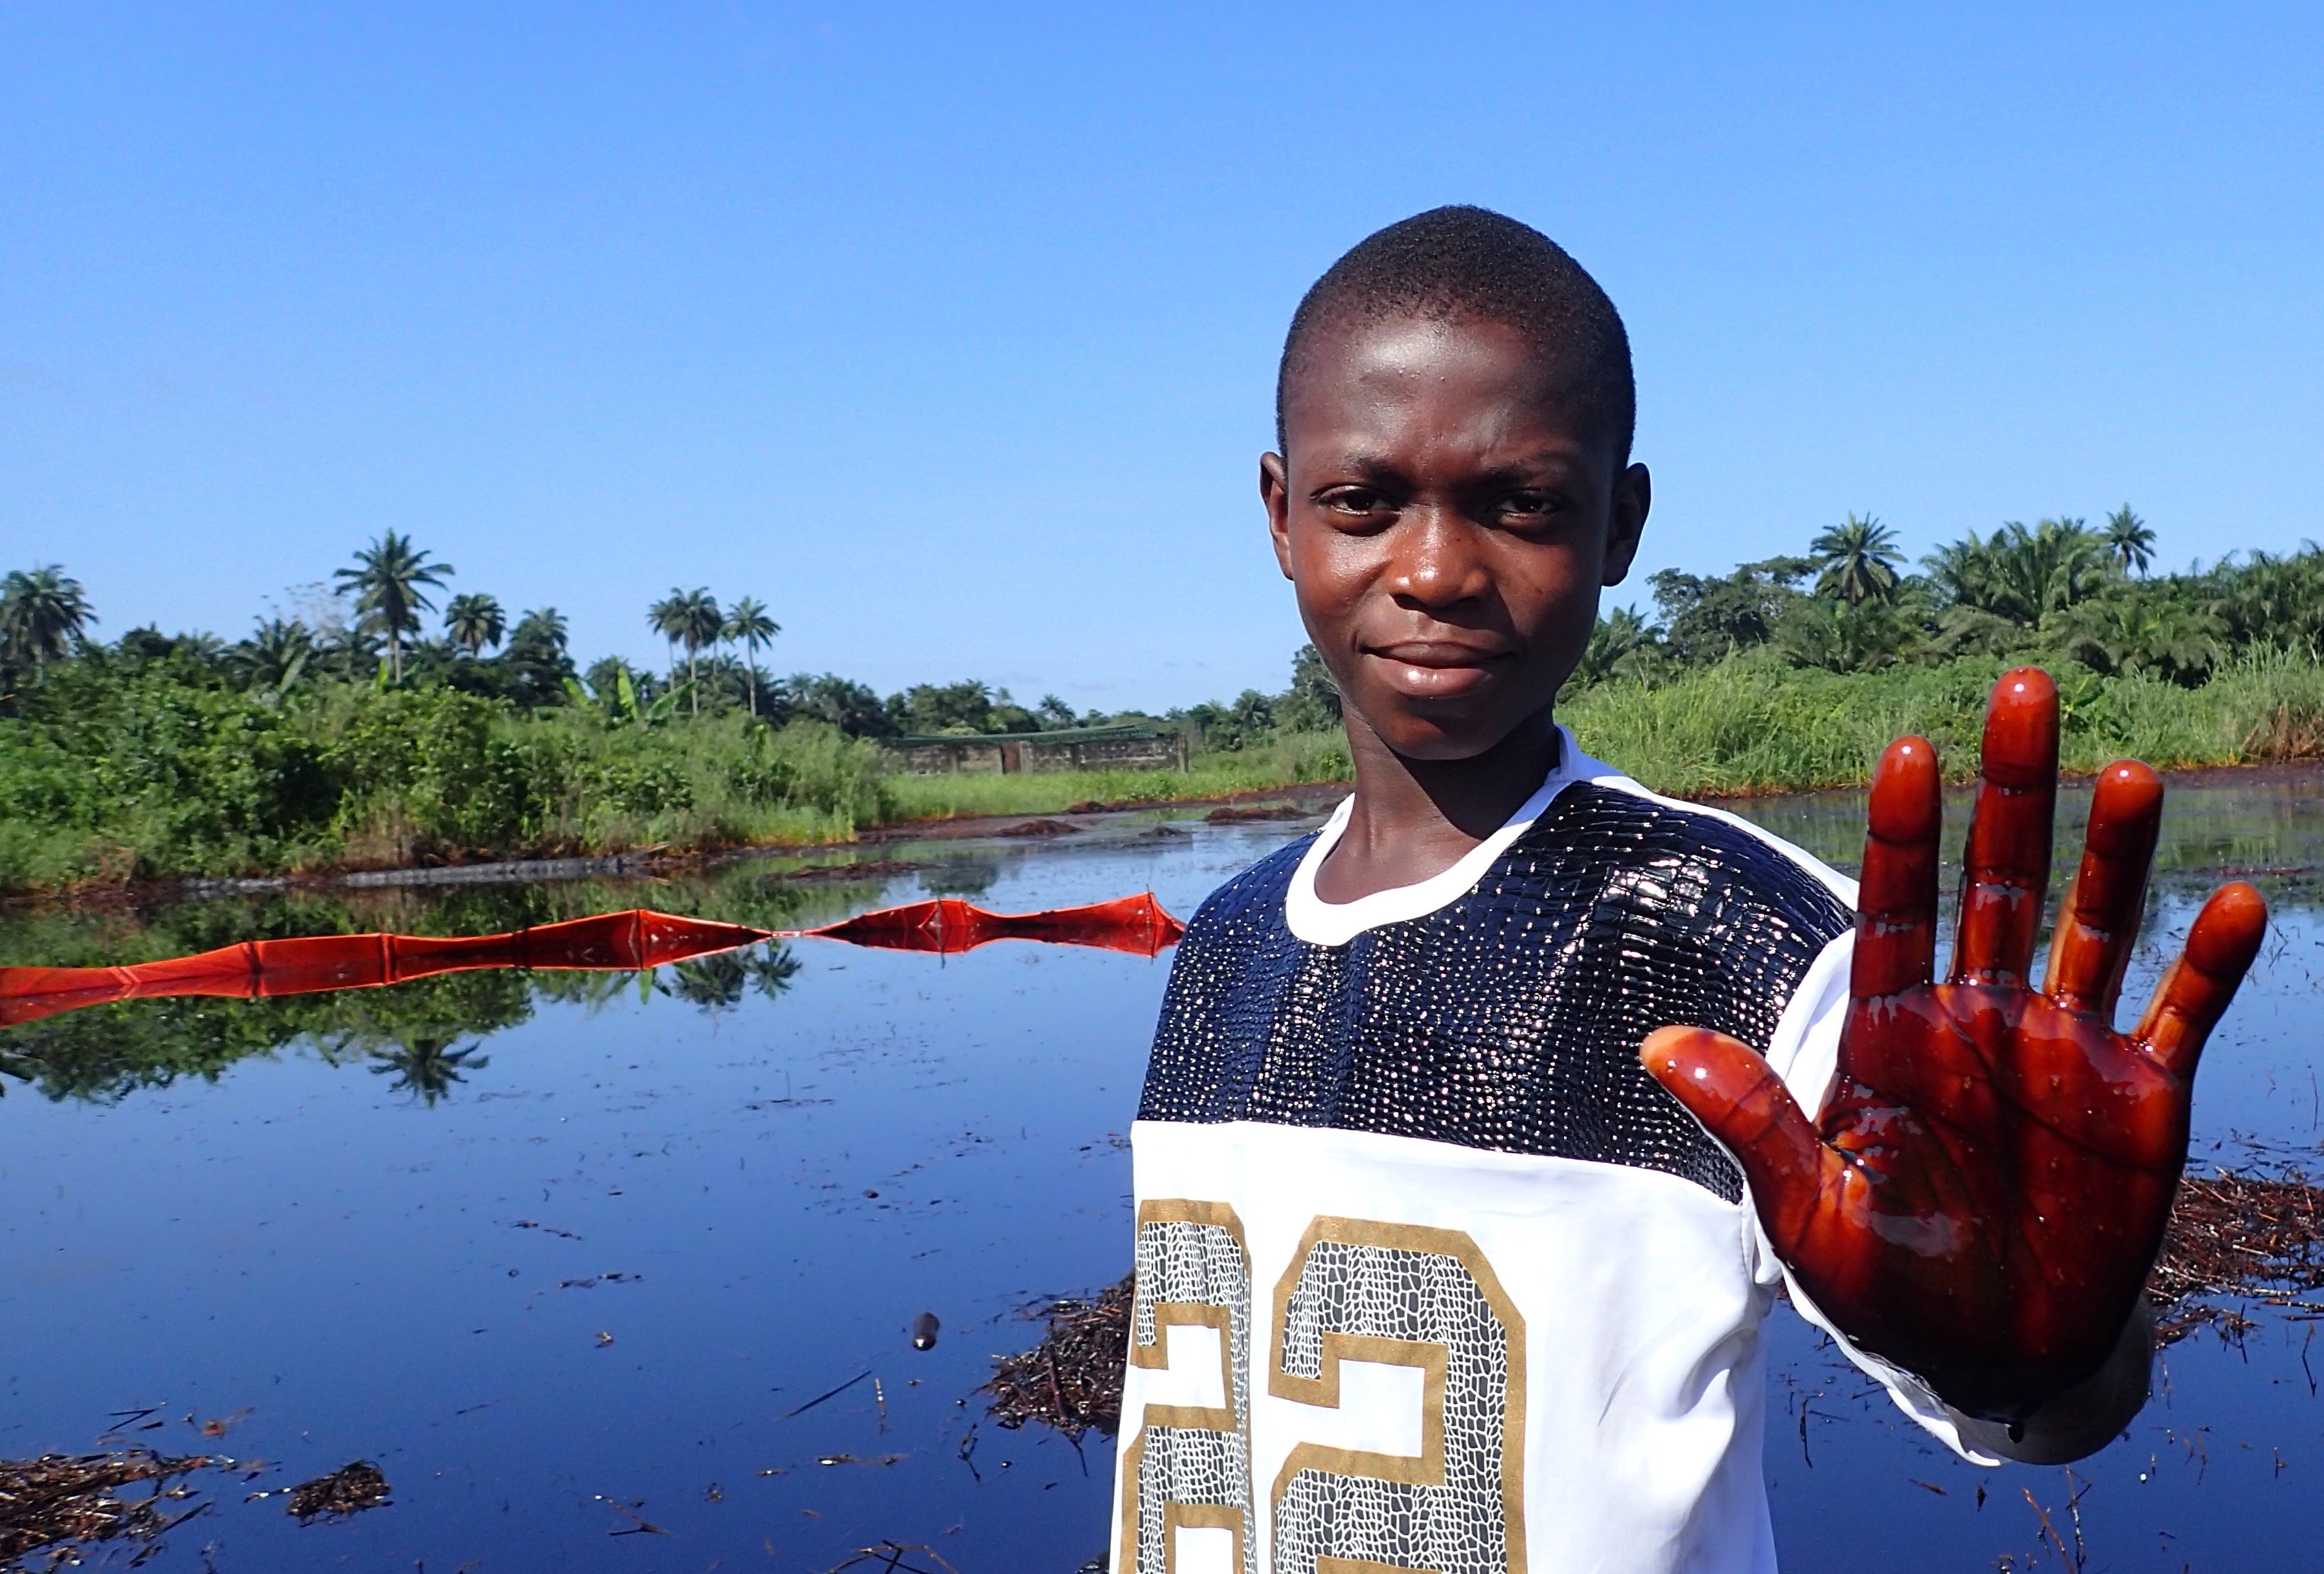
[{"x": 217, "y": 1206}]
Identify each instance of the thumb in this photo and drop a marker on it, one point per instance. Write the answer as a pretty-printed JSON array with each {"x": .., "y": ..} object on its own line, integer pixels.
[{"x": 1739, "y": 1099}]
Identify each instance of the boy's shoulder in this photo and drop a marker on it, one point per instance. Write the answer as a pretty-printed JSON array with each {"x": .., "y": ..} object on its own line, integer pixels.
[
  {"x": 1610, "y": 824},
  {"x": 1254, "y": 892},
  {"x": 1604, "y": 833}
]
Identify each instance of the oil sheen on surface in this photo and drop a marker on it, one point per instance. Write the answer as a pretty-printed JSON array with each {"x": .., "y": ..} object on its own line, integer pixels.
[{"x": 566, "y": 1253}]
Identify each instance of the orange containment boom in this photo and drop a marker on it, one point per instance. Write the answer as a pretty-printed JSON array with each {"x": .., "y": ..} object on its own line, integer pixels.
[
  {"x": 948, "y": 926},
  {"x": 308, "y": 965},
  {"x": 613, "y": 942}
]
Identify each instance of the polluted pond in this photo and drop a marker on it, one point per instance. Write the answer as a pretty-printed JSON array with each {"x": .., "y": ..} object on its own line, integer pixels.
[{"x": 726, "y": 1258}]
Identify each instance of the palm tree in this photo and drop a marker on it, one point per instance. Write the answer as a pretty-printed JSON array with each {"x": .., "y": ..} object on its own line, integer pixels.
[
  {"x": 2053, "y": 566},
  {"x": 2136, "y": 629},
  {"x": 2022, "y": 575},
  {"x": 274, "y": 654},
  {"x": 474, "y": 621},
  {"x": 1622, "y": 644},
  {"x": 666, "y": 617},
  {"x": 42, "y": 613},
  {"x": 389, "y": 580},
  {"x": 747, "y": 622},
  {"x": 544, "y": 630},
  {"x": 1858, "y": 560},
  {"x": 691, "y": 618},
  {"x": 2129, "y": 541}
]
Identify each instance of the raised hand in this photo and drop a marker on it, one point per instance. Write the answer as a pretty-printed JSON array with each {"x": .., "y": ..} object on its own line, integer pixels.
[{"x": 1982, "y": 1195}]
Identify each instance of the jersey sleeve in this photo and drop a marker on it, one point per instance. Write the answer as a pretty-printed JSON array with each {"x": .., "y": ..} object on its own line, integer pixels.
[{"x": 1805, "y": 1053}]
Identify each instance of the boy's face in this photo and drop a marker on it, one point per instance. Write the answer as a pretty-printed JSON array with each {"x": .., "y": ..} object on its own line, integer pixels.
[{"x": 1447, "y": 516}]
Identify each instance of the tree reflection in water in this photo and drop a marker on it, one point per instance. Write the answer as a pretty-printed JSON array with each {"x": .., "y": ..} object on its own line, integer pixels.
[
  {"x": 716, "y": 982},
  {"x": 427, "y": 1067}
]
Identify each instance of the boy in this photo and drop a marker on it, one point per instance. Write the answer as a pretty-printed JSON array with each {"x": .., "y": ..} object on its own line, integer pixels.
[{"x": 1473, "y": 1149}]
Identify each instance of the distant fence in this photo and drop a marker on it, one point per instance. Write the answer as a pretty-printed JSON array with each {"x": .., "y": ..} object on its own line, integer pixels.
[{"x": 1072, "y": 748}]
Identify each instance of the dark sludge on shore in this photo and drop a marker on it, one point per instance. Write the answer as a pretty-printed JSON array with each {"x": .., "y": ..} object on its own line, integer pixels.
[{"x": 2235, "y": 1242}]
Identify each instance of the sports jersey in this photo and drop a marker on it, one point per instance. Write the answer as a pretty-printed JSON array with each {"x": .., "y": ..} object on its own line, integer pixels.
[{"x": 1431, "y": 1274}]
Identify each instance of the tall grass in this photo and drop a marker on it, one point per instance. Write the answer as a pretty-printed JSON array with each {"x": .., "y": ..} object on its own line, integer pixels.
[
  {"x": 1753, "y": 725},
  {"x": 161, "y": 779},
  {"x": 150, "y": 778},
  {"x": 1284, "y": 761}
]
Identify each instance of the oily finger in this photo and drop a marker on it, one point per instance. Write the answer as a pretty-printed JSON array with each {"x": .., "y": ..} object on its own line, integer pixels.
[
  {"x": 1896, "y": 899},
  {"x": 2005, "y": 868},
  {"x": 2099, "y": 922},
  {"x": 2194, "y": 994}
]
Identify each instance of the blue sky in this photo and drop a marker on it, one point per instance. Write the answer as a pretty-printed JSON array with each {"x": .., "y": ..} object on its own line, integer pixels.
[{"x": 950, "y": 332}]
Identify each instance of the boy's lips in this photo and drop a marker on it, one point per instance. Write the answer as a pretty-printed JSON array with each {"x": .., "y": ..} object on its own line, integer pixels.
[{"x": 1436, "y": 669}]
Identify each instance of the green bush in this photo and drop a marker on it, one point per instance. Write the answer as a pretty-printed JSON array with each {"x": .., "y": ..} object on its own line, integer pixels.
[
  {"x": 1754, "y": 724},
  {"x": 113, "y": 771},
  {"x": 149, "y": 776}
]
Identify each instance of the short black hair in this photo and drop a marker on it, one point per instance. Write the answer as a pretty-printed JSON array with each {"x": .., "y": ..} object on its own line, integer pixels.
[{"x": 1464, "y": 262}]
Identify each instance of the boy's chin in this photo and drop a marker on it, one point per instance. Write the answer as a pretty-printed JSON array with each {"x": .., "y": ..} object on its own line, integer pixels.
[{"x": 1442, "y": 738}]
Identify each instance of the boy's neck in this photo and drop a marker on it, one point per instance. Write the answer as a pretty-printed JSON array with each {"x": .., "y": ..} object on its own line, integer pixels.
[{"x": 1414, "y": 818}]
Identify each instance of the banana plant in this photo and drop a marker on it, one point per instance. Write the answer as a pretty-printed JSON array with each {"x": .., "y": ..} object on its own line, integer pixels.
[{"x": 623, "y": 705}]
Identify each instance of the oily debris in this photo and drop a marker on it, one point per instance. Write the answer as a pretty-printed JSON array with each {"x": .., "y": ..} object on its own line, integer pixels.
[
  {"x": 1039, "y": 827},
  {"x": 349, "y": 1489},
  {"x": 896, "y": 1557},
  {"x": 1234, "y": 814},
  {"x": 1072, "y": 1379},
  {"x": 2233, "y": 1240},
  {"x": 58, "y": 1501},
  {"x": 2232, "y": 1237}
]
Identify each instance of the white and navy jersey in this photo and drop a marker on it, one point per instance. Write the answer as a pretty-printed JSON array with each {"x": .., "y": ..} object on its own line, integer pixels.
[{"x": 1431, "y": 1274}]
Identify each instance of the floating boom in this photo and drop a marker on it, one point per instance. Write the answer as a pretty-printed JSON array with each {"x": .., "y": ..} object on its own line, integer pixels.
[
  {"x": 625, "y": 941},
  {"x": 948, "y": 926}
]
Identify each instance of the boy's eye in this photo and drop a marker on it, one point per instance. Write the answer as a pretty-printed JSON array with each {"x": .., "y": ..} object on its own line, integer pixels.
[
  {"x": 1353, "y": 501},
  {"x": 1529, "y": 506}
]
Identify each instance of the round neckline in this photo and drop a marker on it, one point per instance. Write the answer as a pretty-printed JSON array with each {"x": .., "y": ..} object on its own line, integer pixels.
[{"x": 1334, "y": 923}]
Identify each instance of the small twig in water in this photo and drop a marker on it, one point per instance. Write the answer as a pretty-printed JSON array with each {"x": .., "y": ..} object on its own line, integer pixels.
[{"x": 819, "y": 1398}]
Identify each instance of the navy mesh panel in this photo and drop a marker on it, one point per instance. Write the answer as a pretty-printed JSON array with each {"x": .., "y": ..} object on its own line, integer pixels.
[{"x": 1510, "y": 1018}]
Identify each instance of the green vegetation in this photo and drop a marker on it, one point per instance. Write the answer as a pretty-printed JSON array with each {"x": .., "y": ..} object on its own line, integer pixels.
[
  {"x": 323, "y": 741},
  {"x": 1795, "y": 673},
  {"x": 2058, "y": 590},
  {"x": 123, "y": 768},
  {"x": 1754, "y": 723},
  {"x": 1280, "y": 759}
]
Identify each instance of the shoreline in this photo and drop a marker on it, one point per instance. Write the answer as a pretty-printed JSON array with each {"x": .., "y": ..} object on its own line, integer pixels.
[
  {"x": 649, "y": 863},
  {"x": 646, "y": 863}
]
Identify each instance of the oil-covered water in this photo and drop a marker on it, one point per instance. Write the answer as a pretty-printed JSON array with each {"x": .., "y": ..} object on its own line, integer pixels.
[{"x": 579, "y": 1260}]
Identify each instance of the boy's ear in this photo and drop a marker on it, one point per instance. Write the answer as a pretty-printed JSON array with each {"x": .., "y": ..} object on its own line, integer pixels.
[
  {"x": 1625, "y": 521},
  {"x": 1275, "y": 491}
]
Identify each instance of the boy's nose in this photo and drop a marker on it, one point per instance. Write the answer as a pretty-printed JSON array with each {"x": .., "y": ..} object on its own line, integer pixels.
[{"x": 1437, "y": 562}]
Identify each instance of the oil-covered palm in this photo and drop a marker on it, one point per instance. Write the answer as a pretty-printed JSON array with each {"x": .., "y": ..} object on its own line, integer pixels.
[{"x": 1983, "y": 1193}]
